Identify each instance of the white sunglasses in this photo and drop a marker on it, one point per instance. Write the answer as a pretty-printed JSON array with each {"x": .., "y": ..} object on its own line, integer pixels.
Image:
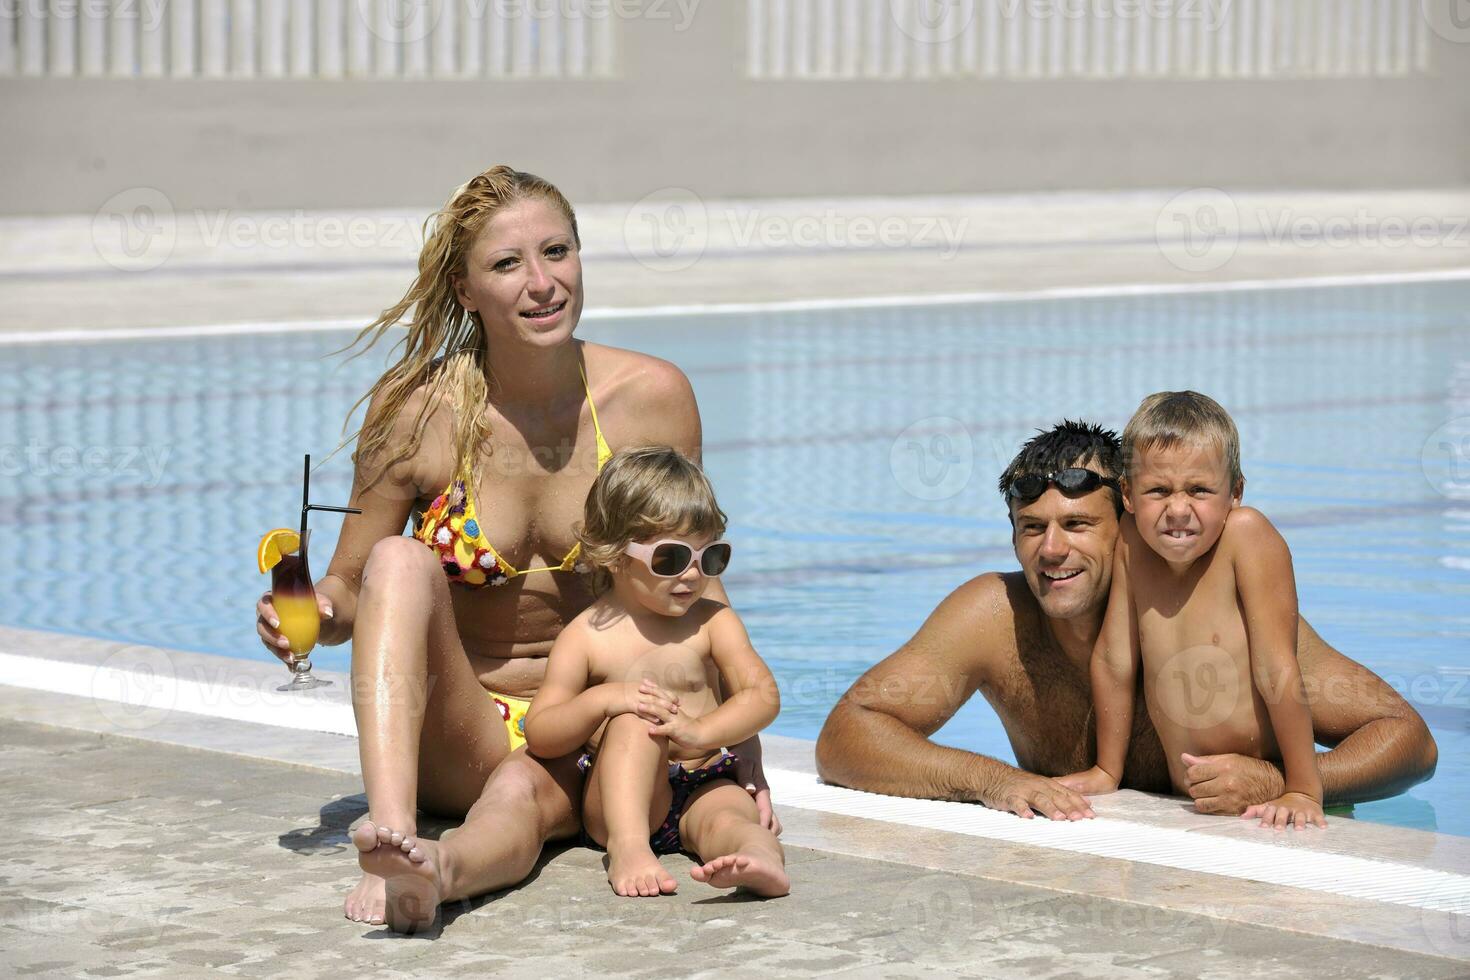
[{"x": 670, "y": 558}]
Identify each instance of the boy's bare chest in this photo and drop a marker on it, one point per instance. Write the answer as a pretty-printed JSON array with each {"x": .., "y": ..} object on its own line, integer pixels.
[{"x": 1178, "y": 613}]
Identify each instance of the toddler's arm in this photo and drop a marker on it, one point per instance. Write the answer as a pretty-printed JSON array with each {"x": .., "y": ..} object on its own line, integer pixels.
[
  {"x": 1114, "y": 673},
  {"x": 753, "y": 700},
  {"x": 565, "y": 711},
  {"x": 1267, "y": 588}
]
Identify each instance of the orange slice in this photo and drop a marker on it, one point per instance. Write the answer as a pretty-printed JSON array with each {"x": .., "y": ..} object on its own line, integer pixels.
[{"x": 281, "y": 541}]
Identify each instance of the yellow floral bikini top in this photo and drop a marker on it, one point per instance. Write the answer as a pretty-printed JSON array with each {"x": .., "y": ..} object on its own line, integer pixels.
[{"x": 451, "y": 527}]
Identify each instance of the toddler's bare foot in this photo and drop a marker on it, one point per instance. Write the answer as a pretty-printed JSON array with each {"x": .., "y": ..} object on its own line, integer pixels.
[
  {"x": 365, "y": 901},
  {"x": 634, "y": 872},
  {"x": 760, "y": 874},
  {"x": 409, "y": 869}
]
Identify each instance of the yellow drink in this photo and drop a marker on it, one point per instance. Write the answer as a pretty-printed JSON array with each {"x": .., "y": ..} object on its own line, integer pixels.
[
  {"x": 300, "y": 621},
  {"x": 295, "y": 601}
]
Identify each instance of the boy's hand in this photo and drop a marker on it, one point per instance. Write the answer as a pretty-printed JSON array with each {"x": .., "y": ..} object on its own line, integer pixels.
[
  {"x": 1288, "y": 810},
  {"x": 1091, "y": 782}
]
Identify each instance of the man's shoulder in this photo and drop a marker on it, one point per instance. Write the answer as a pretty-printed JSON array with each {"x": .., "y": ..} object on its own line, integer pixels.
[{"x": 990, "y": 608}]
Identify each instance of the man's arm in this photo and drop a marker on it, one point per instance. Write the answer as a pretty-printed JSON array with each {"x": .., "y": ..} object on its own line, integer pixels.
[
  {"x": 876, "y": 738},
  {"x": 1379, "y": 746}
]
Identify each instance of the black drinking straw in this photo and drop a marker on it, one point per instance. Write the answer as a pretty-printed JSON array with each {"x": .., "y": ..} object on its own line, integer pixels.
[{"x": 306, "y": 504}]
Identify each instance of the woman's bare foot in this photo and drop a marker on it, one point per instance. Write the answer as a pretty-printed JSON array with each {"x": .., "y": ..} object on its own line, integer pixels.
[
  {"x": 758, "y": 873},
  {"x": 409, "y": 868},
  {"x": 634, "y": 872},
  {"x": 365, "y": 901}
]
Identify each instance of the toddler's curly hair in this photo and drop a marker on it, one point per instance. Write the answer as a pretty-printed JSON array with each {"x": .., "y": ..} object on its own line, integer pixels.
[{"x": 640, "y": 494}]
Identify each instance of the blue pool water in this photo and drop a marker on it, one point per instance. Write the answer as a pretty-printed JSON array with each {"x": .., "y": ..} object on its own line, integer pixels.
[{"x": 856, "y": 451}]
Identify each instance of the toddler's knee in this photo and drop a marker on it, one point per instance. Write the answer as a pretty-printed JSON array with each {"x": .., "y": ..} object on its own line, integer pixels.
[{"x": 630, "y": 730}]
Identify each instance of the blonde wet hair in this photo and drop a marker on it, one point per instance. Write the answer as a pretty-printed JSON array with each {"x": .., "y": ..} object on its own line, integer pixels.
[
  {"x": 1167, "y": 419},
  {"x": 445, "y": 347},
  {"x": 640, "y": 494}
]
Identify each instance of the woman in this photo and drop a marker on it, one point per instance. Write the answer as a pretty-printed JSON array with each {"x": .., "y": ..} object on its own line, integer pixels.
[{"x": 489, "y": 430}]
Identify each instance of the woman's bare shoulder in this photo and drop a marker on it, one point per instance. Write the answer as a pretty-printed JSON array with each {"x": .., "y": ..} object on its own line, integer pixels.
[
  {"x": 649, "y": 400},
  {"x": 634, "y": 373},
  {"x": 431, "y": 465}
]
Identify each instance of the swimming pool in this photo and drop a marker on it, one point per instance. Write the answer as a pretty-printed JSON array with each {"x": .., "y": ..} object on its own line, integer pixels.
[{"x": 855, "y": 450}]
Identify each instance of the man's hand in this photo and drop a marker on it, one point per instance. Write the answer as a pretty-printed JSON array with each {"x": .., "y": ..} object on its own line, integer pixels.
[
  {"x": 751, "y": 774},
  {"x": 1228, "y": 784},
  {"x": 1025, "y": 795}
]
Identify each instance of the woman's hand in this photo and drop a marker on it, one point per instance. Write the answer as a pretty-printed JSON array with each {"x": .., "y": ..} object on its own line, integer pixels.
[
  {"x": 268, "y": 624},
  {"x": 750, "y": 773}
]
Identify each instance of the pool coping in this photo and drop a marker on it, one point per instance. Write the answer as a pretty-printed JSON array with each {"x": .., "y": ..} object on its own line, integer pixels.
[{"x": 160, "y": 695}]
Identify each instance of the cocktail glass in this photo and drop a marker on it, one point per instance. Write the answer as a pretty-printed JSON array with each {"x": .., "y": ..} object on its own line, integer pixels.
[{"x": 294, "y": 597}]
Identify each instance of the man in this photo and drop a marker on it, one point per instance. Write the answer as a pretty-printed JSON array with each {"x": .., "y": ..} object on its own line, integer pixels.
[{"x": 1024, "y": 640}]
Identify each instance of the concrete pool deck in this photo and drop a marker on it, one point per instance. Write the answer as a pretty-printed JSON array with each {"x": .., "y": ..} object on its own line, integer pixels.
[
  {"x": 174, "y": 831},
  {"x": 179, "y": 814},
  {"x": 138, "y": 265}
]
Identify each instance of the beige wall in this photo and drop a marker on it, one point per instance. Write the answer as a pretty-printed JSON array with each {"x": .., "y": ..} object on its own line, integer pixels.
[{"x": 681, "y": 114}]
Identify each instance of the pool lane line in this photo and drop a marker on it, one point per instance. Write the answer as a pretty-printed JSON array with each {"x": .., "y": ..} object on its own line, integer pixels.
[
  {"x": 94, "y": 335},
  {"x": 126, "y": 697}
]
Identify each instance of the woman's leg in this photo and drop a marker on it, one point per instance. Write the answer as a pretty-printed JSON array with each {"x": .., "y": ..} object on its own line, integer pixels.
[
  {"x": 722, "y": 826},
  {"x": 427, "y": 730},
  {"x": 628, "y": 796},
  {"x": 526, "y": 802}
]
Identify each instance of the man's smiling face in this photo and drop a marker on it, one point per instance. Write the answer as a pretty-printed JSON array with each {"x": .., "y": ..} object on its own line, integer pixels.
[{"x": 1065, "y": 547}]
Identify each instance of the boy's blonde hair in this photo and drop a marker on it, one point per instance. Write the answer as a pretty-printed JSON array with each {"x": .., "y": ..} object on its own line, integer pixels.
[
  {"x": 640, "y": 494},
  {"x": 1167, "y": 419}
]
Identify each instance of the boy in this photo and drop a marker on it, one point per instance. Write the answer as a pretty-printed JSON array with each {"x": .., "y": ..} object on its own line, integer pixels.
[{"x": 1204, "y": 598}]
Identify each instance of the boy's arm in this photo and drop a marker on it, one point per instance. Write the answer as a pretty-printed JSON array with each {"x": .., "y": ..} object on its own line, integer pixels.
[
  {"x": 752, "y": 698},
  {"x": 1378, "y": 744},
  {"x": 1114, "y": 671},
  {"x": 1267, "y": 589},
  {"x": 565, "y": 711}
]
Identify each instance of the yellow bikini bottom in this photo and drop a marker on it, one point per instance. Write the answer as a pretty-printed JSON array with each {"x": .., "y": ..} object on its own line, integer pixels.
[{"x": 513, "y": 712}]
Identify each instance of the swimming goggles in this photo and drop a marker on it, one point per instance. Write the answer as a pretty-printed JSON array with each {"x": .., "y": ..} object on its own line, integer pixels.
[
  {"x": 1073, "y": 479},
  {"x": 670, "y": 559}
]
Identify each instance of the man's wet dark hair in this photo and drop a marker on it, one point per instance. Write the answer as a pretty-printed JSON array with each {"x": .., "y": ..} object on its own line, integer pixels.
[{"x": 1064, "y": 445}]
